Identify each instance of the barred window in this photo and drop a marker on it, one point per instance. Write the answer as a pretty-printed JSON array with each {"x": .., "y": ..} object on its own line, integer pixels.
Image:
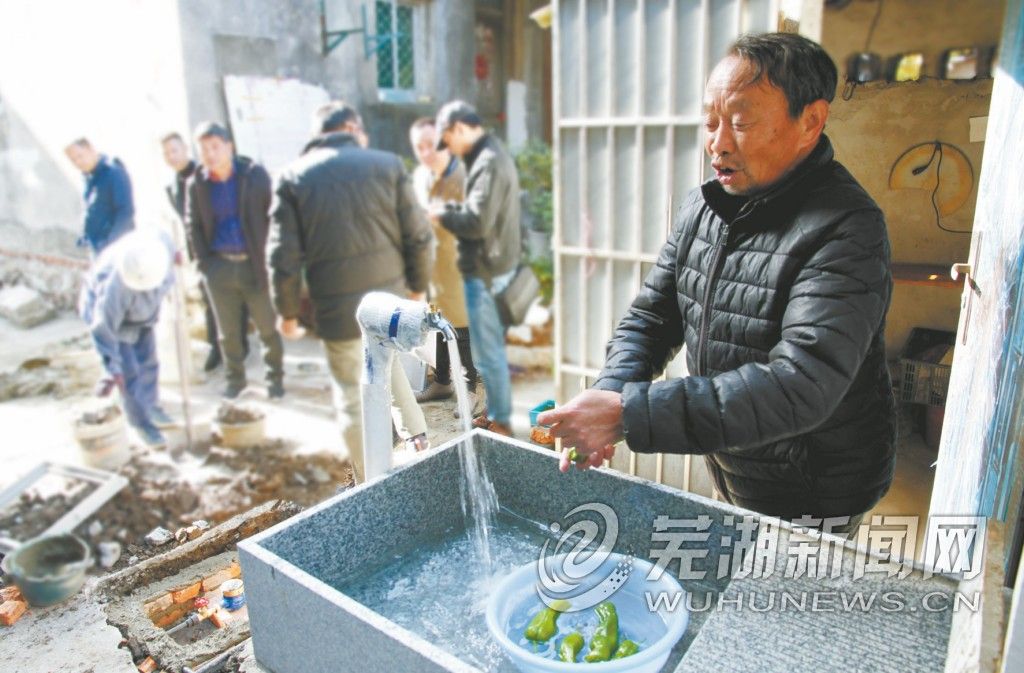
[{"x": 395, "y": 68}]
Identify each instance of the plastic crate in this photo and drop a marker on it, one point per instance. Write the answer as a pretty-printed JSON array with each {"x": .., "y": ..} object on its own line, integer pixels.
[{"x": 919, "y": 381}]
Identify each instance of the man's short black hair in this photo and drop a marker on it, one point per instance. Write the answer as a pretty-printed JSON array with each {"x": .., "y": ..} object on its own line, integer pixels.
[
  {"x": 211, "y": 130},
  {"x": 333, "y": 116},
  {"x": 423, "y": 122},
  {"x": 791, "y": 62},
  {"x": 173, "y": 135}
]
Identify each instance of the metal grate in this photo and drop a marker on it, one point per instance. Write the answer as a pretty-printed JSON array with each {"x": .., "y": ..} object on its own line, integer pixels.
[{"x": 395, "y": 54}]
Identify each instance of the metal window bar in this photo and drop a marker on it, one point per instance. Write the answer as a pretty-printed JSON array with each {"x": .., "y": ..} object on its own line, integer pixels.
[
  {"x": 630, "y": 126},
  {"x": 395, "y": 53}
]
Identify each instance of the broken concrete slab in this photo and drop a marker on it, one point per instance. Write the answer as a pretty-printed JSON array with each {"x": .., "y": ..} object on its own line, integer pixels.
[
  {"x": 25, "y": 307},
  {"x": 70, "y": 637}
]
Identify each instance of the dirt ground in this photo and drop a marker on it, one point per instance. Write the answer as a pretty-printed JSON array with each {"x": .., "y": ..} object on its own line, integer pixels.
[{"x": 303, "y": 459}]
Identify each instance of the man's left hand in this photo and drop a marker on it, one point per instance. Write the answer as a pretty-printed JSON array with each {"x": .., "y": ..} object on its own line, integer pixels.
[
  {"x": 290, "y": 328},
  {"x": 591, "y": 423}
]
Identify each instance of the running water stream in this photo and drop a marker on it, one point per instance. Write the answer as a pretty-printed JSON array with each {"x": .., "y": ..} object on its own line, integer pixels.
[{"x": 479, "y": 503}]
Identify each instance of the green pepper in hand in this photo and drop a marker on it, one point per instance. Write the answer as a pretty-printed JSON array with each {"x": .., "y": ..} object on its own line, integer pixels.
[
  {"x": 625, "y": 649},
  {"x": 606, "y": 635},
  {"x": 577, "y": 457},
  {"x": 542, "y": 626},
  {"x": 570, "y": 647}
]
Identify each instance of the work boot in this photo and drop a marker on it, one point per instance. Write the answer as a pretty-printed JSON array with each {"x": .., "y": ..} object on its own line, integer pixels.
[
  {"x": 500, "y": 429},
  {"x": 482, "y": 421},
  {"x": 233, "y": 391},
  {"x": 477, "y": 405},
  {"x": 275, "y": 390},
  {"x": 160, "y": 418},
  {"x": 152, "y": 437},
  {"x": 213, "y": 360},
  {"x": 435, "y": 391}
]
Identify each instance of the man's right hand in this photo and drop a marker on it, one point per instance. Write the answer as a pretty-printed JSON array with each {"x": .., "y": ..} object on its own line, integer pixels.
[
  {"x": 290, "y": 328},
  {"x": 105, "y": 386}
]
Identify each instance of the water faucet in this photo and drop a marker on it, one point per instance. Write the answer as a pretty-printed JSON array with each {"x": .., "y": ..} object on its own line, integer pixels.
[{"x": 389, "y": 323}]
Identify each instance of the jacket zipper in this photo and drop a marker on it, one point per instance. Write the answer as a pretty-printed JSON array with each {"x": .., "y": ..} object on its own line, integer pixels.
[{"x": 706, "y": 310}]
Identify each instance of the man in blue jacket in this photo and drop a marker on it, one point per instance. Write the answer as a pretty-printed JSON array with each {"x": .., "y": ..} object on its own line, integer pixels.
[
  {"x": 120, "y": 302},
  {"x": 109, "y": 210}
]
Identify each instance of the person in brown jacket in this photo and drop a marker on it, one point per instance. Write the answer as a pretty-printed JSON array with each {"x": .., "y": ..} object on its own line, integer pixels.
[{"x": 441, "y": 178}]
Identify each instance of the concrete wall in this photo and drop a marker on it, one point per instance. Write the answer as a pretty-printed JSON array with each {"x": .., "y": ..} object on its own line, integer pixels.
[
  {"x": 68, "y": 70},
  {"x": 882, "y": 120},
  {"x": 269, "y": 39}
]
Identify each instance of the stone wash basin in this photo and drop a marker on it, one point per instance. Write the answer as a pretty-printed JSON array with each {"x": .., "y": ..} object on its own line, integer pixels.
[{"x": 341, "y": 586}]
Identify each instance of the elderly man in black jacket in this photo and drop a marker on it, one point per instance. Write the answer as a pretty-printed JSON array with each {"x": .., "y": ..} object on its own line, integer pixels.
[
  {"x": 346, "y": 216},
  {"x": 776, "y": 280}
]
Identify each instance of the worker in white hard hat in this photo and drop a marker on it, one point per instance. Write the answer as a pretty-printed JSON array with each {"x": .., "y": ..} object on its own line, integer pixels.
[{"x": 120, "y": 302}]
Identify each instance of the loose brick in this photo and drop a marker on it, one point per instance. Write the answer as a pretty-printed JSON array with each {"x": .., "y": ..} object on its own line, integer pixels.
[
  {"x": 11, "y": 611},
  {"x": 236, "y": 570},
  {"x": 220, "y": 618},
  {"x": 147, "y": 665},
  {"x": 10, "y": 594},
  {"x": 186, "y": 593},
  {"x": 158, "y": 605}
]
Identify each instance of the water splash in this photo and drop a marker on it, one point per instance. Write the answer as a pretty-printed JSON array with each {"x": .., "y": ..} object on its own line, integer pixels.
[{"x": 479, "y": 502}]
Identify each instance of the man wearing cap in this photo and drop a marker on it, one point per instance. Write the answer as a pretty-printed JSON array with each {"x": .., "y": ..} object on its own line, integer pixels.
[
  {"x": 486, "y": 224},
  {"x": 109, "y": 209},
  {"x": 120, "y": 302},
  {"x": 344, "y": 218},
  {"x": 226, "y": 216},
  {"x": 776, "y": 279}
]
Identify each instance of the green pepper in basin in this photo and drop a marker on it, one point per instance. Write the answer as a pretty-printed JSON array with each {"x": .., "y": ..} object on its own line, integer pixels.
[
  {"x": 542, "y": 626},
  {"x": 577, "y": 457},
  {"x": 625, "y": 649},
  {"x": 606, "y": 635},
  {"x": 570, "y": 647}
]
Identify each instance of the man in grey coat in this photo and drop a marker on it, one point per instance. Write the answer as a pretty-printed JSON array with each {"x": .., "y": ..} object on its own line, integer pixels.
[
  {"x": 488, "y": 229},
  {"x": 345, "y": 218}
]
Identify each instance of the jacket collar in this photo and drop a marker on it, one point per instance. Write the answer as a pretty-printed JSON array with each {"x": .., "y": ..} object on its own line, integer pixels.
[
  {"x": 336, "y": 139},
  {"x": 478, "y": 147},
  {"x": 242, "y": 166},
  {"x": 725, "y": 204}
]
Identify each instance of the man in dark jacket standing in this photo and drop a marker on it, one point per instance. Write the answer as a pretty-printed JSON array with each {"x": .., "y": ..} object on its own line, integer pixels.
[
  {"x": 487, "y": 227},
  {"x": 226, "y": 216},
  {"x": 776, "y": 280},
  {"x": 177, "y": 158},
  {"x": 346, "y": 216},
  {"x": 109, "y": 209}
]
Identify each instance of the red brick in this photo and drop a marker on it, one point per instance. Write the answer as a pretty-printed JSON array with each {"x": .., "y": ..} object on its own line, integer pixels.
[
  {"x": 10, "y": 594},
  {"x": 158, "y": 605},
  {"x": 173, "y": 615},
  {"x": 216, "y": 579},
  {"x": 186, "y": 593},
  {"x": 236, "y": 570},
  {"x": 147, "y": 665},
  {"x": 11, "y": 611}
]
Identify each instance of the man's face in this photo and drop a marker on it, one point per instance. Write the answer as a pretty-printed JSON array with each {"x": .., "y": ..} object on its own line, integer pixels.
[
  {"x": 457, "y": 139},
  {"x": 751, "y": 139},
  {"x": 175, "y": 154},
  {"x": 424, "y": 140},
  {"x": 216, "y": 155},
  {"x": 84, "y": 157}
]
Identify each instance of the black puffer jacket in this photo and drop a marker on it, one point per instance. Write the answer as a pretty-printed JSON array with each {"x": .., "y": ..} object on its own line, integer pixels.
[
  {"x": 781, "y": 305},
  {"x": 347, "y": 218}
]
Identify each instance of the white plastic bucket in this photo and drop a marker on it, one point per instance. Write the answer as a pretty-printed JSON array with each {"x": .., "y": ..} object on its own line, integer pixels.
[
  {"x": 242, "y": 435},
  {"x": 104, "y": 445}
]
